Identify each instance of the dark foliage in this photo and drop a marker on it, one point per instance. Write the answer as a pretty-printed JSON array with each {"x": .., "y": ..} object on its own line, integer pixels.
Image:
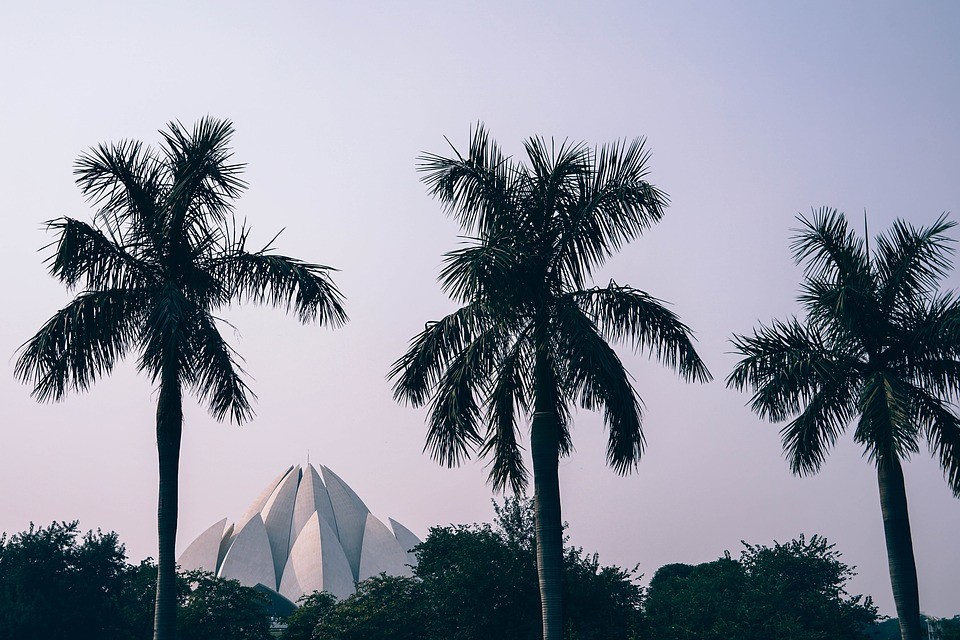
[
  {"x": 212, "y": 608},
  {"x": 384, "y": 607},
  {"x": 948, "y": 628},
  {"x": 478, "y": 585},
  {"x": 478, "y": 582},
  {"x": 312, "y": 609},
  {"x": 792, "y": 591},
  {"x": 481, "y": 582},
  {"x": 55, "y": 583}
]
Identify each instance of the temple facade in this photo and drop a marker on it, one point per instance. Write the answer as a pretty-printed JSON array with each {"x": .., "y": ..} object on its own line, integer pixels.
[{"x": 307, "y": 531}]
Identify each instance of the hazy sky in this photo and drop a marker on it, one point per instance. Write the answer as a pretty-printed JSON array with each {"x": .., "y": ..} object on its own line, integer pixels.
[{"x": 754, "y": 111}]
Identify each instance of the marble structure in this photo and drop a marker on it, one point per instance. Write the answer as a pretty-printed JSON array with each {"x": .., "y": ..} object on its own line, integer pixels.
[{"x": 304, "y": 534}]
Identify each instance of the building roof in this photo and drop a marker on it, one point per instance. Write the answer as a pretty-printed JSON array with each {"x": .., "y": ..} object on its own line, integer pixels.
[{"x": 304, "y": 534}]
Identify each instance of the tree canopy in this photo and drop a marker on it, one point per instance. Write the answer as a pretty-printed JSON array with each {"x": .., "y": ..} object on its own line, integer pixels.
[
  {"x": 792, "y": 591},
  {"x": 475, "y": 582},
  {"x": 57, "y": 583},
  {"x": 212, "y": 608}
]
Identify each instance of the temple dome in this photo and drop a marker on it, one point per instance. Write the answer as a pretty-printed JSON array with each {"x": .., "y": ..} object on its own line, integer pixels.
[{"x": 304, "y": 534}]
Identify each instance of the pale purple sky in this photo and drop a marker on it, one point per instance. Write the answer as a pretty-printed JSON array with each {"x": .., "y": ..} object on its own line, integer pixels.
[{"x": 754, "y": 111}]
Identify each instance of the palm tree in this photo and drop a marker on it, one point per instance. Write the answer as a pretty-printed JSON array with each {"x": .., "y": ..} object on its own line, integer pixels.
[
  {"x": 162, "y": 255},
  {"x": 880, "y": 346},
  {"x": 531, "y": 339}
]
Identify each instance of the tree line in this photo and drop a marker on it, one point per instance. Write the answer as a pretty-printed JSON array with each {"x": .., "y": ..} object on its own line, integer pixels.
[
  {"x": 472, "y": 582},
  {"x": 878, "y": 346}
]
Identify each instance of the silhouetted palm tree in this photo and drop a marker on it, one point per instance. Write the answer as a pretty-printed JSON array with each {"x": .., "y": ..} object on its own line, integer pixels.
[
  {"x": 880, "y": 346},
  {"x": 531, "y": 340},
  {"x": 162, "y": 255}
]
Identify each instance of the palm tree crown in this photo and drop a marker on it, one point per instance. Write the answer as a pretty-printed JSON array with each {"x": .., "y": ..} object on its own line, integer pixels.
[
  {"x": 536, "y": 234},
  {"x": 533, "y": 338},
  {"x": 162, "y": 255},
  {"x": 880, "y": 346}
]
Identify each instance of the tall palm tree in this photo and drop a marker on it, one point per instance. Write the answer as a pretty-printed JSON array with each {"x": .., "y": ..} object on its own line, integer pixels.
[
  {"x": 162, "y": 255},
  {"x": 880, "y": 346},
  {"x": 531, "y": 339}
]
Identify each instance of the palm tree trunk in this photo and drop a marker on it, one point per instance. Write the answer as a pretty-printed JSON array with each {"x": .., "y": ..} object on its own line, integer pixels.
[
  {"x": 169, "y": 429},
  {"x": 896, "y": 529},
  {"x": 545, "y": 450}
]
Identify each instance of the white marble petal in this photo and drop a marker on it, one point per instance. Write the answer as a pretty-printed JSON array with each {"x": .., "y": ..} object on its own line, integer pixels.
[
  {"x": 351, "y": 516},
  {"x": 257, "y": 505},
  {"x": 312, "y": 498},
  {"x": 381, "y": 551},
  {"x": 203, "y": 553},
  {"x": 316, "y": 563},
  {"x": 277, "y": 514},
  {"x": 225, "y": 545},
  {"x": 407, "y": 539},
  {"x": 249, "y": 559}
]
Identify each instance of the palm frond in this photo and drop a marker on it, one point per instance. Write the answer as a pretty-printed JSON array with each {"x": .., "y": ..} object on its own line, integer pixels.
[
  {"x": 786, "y": 365},
  {"x": 885, "y": 427},
  {"x": 124, "y": 181},
  {"x": 625, "y": 314},
  {"x": 81, "y": 342},
  {"x": 840, "y": 289},
  {"x": 268, "y": 278},
  {"x": 598, "y": 380},
  {"x": 452, "y": 429},
  {"x": 215, "y": 375},
  {"x": 204, "y": 183},
  {"x": 808, "y": 437},
  {"x": 479, "y": 190},
  {"x": 511, "y": 391},
  {"x": 553, "y": 166},
  {"x": 830, "y": 248},
  {"x": 941, "y": 426},
  {"x": 939, "y": 376},
  {"x": 84, "y": 254},
  {"x": 930, "y": 329},
  {"x": 926, "y": 346},
  {"x": 611, "y": 205},
  {"x": 165, "y": 343},
  {"x": 793, "y": 373},
  {"x": 562, "y": 415},
  {"x": 843, "y": 312},
  {"x": 552, "y": 178},
  {"x": 912, "y": 261},
  {"x": 430, "y": 353},
  {"x": 488, "y": 269}
]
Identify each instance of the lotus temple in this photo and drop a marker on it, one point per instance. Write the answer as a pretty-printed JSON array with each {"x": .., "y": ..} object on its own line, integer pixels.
[{"x": 304, "y": 534}]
